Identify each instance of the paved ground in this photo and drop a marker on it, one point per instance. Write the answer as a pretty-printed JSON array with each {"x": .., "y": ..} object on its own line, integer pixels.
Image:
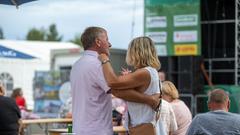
[{"x": 36, "y": 129}]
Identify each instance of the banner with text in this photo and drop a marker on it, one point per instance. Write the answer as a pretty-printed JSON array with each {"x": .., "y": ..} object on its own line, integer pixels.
[{"x": 174, "y": 26}]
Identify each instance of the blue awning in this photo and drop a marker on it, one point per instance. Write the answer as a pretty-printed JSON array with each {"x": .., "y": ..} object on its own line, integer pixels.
[
  {"x": 14, "y": 2},
  {"x": 11, "y": 53}
]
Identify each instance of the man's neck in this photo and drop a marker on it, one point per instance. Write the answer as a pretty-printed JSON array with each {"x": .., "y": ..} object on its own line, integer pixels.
[
  {"x": 92, "y": 49},
  {"x": 219, "y": 108}
]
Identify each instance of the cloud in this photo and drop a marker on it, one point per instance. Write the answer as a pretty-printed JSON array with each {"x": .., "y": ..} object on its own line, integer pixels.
[{"x": 73, "y": 16}]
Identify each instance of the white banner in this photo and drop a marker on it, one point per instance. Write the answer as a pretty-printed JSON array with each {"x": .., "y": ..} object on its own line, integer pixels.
[
  {"x": 156, "y": 22},
  {"x": 185, "y": 36},
  {"x": 158, "y": 37},
  {"x": 185, "y": 20},
  {"x": 161, "y": 50}
]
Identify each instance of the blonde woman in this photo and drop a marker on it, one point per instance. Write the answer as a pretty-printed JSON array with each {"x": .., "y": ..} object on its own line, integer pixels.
[
  {"x": 182, "y": 113},
  {"x": 142, "y": 56}
]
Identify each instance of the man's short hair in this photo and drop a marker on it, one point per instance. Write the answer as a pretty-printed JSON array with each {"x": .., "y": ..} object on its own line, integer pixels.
[
  {"x": 218, "y": 96},
  {"x": 89, "y": 35}
]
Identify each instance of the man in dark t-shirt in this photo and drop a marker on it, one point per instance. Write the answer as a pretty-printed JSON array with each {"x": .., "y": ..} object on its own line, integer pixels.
[{"x": 9, "y": 115}]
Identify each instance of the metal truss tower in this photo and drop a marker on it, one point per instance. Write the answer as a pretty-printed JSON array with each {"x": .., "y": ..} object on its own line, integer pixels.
[{"x": 237, "y": 41}]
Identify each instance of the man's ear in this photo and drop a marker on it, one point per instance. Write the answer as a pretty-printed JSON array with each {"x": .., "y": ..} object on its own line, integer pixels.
[
  {"x": 209, "y": 106},
  {"x": 2, "y": 92},
  {"x": 228, "y": 104},
  {"x": 98, "y": 42}
]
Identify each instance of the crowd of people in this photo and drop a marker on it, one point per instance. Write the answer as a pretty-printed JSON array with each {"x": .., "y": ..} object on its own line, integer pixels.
[
  {"x": 10, "y": 115},
  {"x": 93, "y": 78},
  {"x": 12, "y": 111},
  {"x": 134, "y": 98}
]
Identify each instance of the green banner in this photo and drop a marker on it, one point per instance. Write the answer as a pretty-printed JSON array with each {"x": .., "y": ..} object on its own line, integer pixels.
[{"x": 174, "y": 26}]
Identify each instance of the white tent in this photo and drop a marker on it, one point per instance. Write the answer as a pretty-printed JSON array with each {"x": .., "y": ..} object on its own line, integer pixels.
[{"x": 20, "y": 59}]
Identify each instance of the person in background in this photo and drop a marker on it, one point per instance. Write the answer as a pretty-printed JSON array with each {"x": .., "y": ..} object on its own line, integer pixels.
[
  {"x": 182, "y": 113},
  {"x": 91, "y": 96},
  {"x": 141, "y": 54},
  {"x": 218, "y": 121},
  {"x": 162, "y": 75},
  {"x": 9, "y": 115},
  {"x": 167, "y": 119},
  {"x": 17, "y": 94},
  {"x": 65, "y": 111},
  {"x": 118, "y": 109}
]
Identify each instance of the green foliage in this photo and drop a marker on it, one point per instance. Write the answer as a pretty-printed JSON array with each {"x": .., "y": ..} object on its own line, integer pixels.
[
  {"x": 52, "y": 34},
  {"x": 35, "y": 34},
  {"x": 77, "y": 40},
  {"x": 42, "y": 35},
  {"x": 1, "y": 33}
]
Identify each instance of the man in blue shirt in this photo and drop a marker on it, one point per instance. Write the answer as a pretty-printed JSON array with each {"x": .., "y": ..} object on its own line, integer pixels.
[{"x": 218, "y": 121}]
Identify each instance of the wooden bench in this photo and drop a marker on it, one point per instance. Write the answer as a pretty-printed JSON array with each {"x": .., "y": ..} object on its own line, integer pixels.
[
  {"x": 116, "y": 129},
  {"x": 25, "y": 123}
]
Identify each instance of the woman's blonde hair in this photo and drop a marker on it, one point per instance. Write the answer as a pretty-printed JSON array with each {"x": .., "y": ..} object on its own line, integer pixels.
[
  {"x": 168, "y": 88},
  {"x": 142, "y": 53}
]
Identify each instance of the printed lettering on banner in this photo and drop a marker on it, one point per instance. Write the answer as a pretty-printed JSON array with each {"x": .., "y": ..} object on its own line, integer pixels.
[
  {"x": 185, "y": 20},
  {"x": 185, "y": 36},
  {"x": 156, "y": 22},
  {"x": 158, "y": 37}
]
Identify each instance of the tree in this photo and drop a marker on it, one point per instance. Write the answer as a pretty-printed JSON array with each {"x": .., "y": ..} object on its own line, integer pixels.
[
  {"x": 52, "y": 34},
  {"x": 1, "y": 33},
  {"x": 35, "y": 34},
  {"x": 77, "y": 40}
]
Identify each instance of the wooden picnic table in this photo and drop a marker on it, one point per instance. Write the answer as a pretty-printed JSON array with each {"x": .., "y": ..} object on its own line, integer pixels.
[
  {"x": 117, "y": 129},
  {"x": 48, "y": 120},
  {"x": 44, "y": 121}
]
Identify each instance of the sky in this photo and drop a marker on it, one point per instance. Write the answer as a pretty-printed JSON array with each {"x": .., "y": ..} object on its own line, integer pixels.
[{"x": 73, "y": 16}]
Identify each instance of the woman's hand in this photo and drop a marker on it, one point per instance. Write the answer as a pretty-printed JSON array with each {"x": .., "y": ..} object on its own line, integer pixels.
[
  {"x": 125, "y": 71},
  {"x": 156, "y": 101}
]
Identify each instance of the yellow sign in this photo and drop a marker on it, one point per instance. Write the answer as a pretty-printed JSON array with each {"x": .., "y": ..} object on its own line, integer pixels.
[{"x": 185, "y": 49}]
